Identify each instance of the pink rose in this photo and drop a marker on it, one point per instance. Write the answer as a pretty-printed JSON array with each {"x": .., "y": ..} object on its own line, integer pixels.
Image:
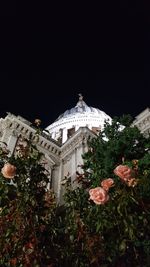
[
  {"x": 98, "y": 195},
  {"x": 107, "y": 183},
  {"x": 8, "y": 170},
  {"x": 124, "y": 172}
]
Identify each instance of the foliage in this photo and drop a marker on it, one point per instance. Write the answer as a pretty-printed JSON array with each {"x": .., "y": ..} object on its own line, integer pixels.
[
  {"x": 27, "y": 209},
  {"x": 115, "y": 233},
  {"x": 103, "y": 222}
]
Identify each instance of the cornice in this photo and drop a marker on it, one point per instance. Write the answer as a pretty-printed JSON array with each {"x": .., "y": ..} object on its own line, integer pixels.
[
  {"x": 17, "y": 127},
  {"x": 143, "y": 123},
  {"x": 80, "y": 138}
]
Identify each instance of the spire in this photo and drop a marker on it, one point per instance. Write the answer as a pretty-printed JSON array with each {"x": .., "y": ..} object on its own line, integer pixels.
[
  {"x": 80, "y": 97},
  {"x": 81, "y": 103}
]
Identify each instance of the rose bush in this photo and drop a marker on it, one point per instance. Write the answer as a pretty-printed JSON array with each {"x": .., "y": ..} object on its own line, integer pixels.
[
  {"x": 27, "y": 210},
  {"x": 108, "y": 218},
  {"x": 103, "y": 222}
]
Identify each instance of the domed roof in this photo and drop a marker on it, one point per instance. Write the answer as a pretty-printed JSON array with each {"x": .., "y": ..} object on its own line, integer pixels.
[
  {"x": 80, "y": 116},
  {"x": 82, "y": 108}
]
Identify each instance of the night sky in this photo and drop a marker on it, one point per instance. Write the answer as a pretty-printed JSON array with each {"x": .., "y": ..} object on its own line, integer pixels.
[{"x": 50, "y": 54}]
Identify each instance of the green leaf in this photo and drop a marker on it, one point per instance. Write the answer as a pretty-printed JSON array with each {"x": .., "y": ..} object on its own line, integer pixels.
[{"x": 122, "y": 246}]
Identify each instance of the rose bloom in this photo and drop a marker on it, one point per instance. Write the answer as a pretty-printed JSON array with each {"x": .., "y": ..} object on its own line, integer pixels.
[
  {"x": 37, "y": 122},
  {"x": 8, "y": 170},
  {"x": 124, "y": 172},
  {"x": 135, "y": 161},
  {"x": 98, "y": 195},
  {"x": 132, "y": 182},
  {"x": 107, "y": 183}
]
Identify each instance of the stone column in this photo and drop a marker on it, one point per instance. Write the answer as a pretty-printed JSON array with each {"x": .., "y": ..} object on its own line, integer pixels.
[
  {"x": 64, "y": 135},
  {"x": 59, "y": 185},
  {"x": 76, "y": 127},
  {"x": 12, "y": 141}
]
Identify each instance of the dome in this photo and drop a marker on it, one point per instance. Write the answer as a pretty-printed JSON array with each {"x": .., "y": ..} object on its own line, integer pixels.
[
  {"x": 72, "y": 119},
  {"x": 81, "y": 108}
]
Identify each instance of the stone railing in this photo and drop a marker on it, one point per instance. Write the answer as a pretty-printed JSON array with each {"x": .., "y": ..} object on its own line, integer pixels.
[{"x": 18, "y": 127}]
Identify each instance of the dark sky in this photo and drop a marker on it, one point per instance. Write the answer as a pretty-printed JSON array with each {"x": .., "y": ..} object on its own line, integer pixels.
[{"x": 52, "y": 53}]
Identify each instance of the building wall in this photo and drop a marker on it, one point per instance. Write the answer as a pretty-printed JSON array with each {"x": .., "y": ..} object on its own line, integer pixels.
[
  {"x": 61, "y": 161},
  {"x": 142, "y": 121}
]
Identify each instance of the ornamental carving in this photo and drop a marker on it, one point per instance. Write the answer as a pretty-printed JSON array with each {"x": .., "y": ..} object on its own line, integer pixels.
[
  {"x": 67, "y": 158},
  {"x": 5, "y": 124}
]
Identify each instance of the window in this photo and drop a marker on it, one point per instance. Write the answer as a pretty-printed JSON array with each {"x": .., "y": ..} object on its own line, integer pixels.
[{"x": 70, "y": 132}]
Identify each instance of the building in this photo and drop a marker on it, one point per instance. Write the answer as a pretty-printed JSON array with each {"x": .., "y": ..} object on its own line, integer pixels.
[
  {"x": 142, "y": 121},
  {"x": 62, "y": 143}
]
